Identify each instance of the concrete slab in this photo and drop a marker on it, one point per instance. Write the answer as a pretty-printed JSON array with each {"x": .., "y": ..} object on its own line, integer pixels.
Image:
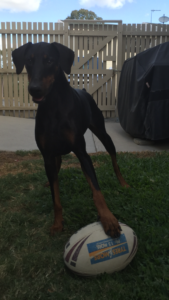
[
  {"x": 124, "y": 142},
  {"x": 90, "y": 145},
  {"x": 18, "y": 134}
]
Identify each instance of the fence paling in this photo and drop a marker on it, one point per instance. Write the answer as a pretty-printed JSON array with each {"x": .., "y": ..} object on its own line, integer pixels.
[{"x": 97, "y": 46}]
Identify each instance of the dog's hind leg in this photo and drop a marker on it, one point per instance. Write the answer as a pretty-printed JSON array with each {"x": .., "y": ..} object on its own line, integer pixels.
[
  {"x": 52, "y": 167},
  {"x": 58, "y": 162},
  {"x": 97, "y": 126}
]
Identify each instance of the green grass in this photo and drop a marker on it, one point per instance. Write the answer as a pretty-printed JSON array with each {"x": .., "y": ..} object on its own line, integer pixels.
[
  {"x": 31, "y": 261},
  {"x": 25, "y": 153}
]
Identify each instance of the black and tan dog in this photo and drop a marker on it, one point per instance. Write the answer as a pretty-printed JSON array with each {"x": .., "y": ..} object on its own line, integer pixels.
[{"x": 63, "y": 116}]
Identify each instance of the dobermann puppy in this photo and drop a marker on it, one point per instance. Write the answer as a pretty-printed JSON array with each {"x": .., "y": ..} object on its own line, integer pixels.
[{"x": 63, "y": 116}]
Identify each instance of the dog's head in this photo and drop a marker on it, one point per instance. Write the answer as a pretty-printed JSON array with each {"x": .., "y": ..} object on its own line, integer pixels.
[{"x": 42, "y": 61}]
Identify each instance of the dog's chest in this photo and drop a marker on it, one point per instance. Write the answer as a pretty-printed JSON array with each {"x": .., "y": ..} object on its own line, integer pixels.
[{"x": 57, "y": 133}]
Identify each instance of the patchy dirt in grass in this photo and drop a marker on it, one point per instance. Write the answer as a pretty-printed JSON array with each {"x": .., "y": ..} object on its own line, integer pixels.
[
  {"x": 77, "y": 165},
  {"x": 17, "y": 162},
  {"x": 14, "y": 169},
  {"x": 13, "y": 163},
  {"x": 13, "y": 157}
]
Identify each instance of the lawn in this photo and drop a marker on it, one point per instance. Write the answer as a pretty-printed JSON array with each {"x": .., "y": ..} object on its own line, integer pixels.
[{"x": 31, "y": 261}]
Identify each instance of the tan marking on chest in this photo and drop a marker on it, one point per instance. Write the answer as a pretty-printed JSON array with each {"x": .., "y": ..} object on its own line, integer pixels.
[{"x": 69, "y": 136}]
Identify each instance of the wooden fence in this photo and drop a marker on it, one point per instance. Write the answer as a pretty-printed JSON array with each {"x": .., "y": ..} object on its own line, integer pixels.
[{"x": 100, "y": 51}]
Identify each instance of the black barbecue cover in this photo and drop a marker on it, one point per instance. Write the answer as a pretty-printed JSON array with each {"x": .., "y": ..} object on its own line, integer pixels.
[{"x": 143, "y": 95}]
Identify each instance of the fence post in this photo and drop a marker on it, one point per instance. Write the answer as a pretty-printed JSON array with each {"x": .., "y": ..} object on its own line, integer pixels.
[
  {"x": 119, "y": 59},
  {"x": 66, "y": 38},
  {"x": 66, "y": 33}
]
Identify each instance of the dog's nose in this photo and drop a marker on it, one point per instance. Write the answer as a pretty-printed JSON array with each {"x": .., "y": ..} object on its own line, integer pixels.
[{"x": 35, "y": 89}]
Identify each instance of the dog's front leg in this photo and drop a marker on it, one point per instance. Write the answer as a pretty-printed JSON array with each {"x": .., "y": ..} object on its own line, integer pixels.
[
  {"x": 108, "y": 220},
  {"x": 52, "y": 166}
]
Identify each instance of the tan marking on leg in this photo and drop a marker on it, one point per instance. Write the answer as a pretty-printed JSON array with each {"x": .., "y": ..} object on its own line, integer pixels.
[
  {"x": 117, "y": 172},
  {"x": 47, "y": 184},
  {"x": 58, "y": 161},
  {"x": 58, "y": 219}
]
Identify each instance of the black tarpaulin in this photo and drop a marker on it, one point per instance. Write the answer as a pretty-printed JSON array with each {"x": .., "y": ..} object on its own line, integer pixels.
[{"x": 143, "y": 95}]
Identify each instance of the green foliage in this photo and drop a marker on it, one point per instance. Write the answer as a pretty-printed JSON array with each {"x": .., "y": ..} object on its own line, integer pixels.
[
  {"x": 83, "y": 14},
  {"x": 31, "y": 261}
]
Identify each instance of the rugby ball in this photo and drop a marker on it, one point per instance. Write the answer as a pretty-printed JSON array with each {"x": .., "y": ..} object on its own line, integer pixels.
[{"x": 90, "y": 251}]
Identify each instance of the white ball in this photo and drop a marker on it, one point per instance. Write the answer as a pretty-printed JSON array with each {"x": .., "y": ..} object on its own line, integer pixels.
[{"x": 91, "y": 252}]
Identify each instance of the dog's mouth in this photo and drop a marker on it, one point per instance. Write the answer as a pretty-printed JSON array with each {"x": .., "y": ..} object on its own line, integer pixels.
[{"x": 37, "y": 100}]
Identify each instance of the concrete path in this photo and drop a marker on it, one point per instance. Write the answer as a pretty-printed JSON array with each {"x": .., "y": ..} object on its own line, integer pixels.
[
  {"x": 125, "y": 143},
  {"x": 18, "y": 134}
]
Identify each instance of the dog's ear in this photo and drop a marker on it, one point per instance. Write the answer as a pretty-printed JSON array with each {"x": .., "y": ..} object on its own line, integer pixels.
[
  {"x": 66, "y": 57},
  {"x": 18, "y": 56}
]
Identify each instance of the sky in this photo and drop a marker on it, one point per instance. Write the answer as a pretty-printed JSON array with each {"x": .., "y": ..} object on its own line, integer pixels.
[{"x": 129, "y": 11}]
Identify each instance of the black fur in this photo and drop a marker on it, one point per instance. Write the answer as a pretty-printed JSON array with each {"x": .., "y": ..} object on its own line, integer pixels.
[{"x": 63, "y": 116}]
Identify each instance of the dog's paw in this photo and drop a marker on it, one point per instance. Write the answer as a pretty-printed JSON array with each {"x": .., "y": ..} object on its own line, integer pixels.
[
  {"x": 56, "y": 228},
  {"x": 110, "y": 224},
  {"x": 126, "y": 185}
]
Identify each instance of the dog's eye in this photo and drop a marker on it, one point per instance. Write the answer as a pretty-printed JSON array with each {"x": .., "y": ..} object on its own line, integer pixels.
[{"x": 49, "y": 61}]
